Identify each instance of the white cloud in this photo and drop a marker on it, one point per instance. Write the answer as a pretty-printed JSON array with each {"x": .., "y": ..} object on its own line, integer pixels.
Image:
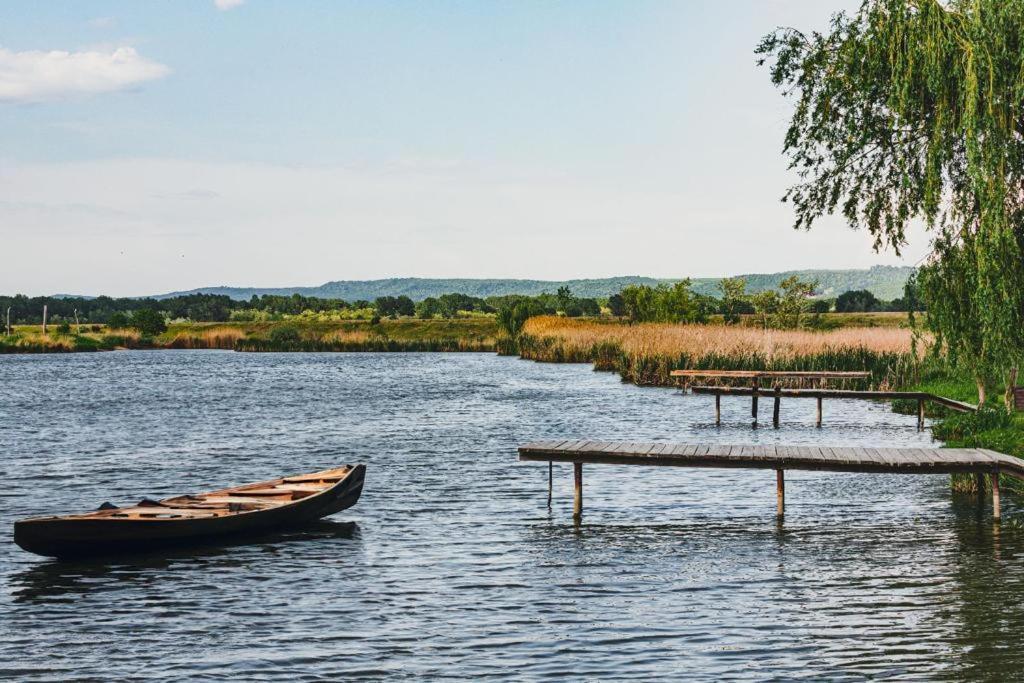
[
  {"x": 38, "y": 76},
  {"x": 225, "y": 5}
]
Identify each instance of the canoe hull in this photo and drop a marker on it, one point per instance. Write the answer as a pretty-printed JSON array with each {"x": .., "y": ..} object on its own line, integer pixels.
[{"x": 63, "y": 537}]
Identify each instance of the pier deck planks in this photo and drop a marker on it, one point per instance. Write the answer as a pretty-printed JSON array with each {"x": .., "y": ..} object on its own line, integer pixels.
[{"x": 830, "y": 458}]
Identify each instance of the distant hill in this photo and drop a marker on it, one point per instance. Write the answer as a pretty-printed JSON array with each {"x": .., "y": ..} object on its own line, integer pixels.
[
  {"x": 418, "y": 289},
  {"x": 885, "y": 282}
]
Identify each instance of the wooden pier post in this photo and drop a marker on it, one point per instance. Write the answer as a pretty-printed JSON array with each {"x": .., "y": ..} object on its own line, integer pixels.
[
  {"x": 979, "y": 483},
  {"x": 780, "y": 493},
  {"x": 995, "y": 496},
  {"x": 920, "y": 414},
  {"x": 551, "y": 479},
  {"x": 753, "y": 402},
  {"x": 577, "y": 505},
  {"x": 718, "y": 409},
  {"x": 775, "y": 407},
  {"x": 819, "y": 411}
]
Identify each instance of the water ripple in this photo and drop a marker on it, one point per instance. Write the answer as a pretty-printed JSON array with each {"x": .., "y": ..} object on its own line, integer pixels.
[{"x": 452, "y": 565}]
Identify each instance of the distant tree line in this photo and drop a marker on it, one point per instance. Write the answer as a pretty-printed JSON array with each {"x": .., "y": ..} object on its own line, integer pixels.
[
  {"x": 221, "y": 308},
  {"x": 789, "y": 306}
]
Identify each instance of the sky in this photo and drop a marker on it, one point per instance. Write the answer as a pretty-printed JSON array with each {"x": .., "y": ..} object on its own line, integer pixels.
[{"x": 151, "y": 147}]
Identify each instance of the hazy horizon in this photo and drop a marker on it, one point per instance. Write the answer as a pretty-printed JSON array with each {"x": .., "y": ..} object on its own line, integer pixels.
[{"x": 156, "y": 148}]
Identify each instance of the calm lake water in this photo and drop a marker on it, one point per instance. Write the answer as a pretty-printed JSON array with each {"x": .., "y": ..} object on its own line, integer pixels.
[{"x": 452, "y": 565}]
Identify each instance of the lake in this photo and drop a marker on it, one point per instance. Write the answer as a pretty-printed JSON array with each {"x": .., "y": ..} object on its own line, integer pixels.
[{"x": 452, "y": 565}]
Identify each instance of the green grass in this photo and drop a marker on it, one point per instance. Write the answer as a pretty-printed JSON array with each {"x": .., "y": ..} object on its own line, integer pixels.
[
  {"x": 992, "y": 427},
  {"x": 23, "y": 341}
]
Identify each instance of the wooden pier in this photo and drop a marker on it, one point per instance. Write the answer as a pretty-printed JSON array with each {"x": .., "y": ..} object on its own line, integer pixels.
[
  {"x": 778, "y": 393},
  {"x": 979, "y": 461},
  {"x": 758, "y": 375},
  {"x": 817, "y": 378}
]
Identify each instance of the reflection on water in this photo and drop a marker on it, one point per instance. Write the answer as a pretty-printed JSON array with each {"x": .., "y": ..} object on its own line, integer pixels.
[
  {"x": 52, "y": 580},
  {"x": 452, "y": 564}
]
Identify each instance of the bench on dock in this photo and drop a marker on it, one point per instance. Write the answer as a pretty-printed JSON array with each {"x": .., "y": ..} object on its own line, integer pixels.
[{"x": 979, "y": 461}]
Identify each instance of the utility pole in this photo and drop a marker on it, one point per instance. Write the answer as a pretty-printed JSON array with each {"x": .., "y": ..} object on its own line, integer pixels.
[{"x": 44, "y": 319}]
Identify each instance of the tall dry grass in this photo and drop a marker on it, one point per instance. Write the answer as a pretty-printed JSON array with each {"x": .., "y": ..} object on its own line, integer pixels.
[
  {"x": 212, "y": 338},
  {"x": 646, "y": 353},
  {"x": 30, "y": 339},
  {"x": 346, "y": 337}
]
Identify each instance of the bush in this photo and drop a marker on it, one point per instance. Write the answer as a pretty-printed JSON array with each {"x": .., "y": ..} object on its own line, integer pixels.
[
  {"x": 512, "y": 317},
  {"x": 118, "y": 321},
  {"x": 86, "y": 344},
  {"x": 148, "y": 322},
  {"x": 967, "y": 427},
  {"x": 64, "y": 327},
  {"x": 285, "y": 336}
]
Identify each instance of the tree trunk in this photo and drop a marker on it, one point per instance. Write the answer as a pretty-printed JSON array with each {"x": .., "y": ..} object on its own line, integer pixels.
[
  {"x": 1011, "y": 381},
  {"x": 981, "y": 391}
]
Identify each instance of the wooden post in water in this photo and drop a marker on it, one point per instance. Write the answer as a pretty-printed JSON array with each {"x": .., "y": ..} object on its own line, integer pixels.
[
  {"x": 577, "y": 505},
  {"x": 551, "y": 479},
  {"x": 920, "y": 414},
  {"x": 995, "y": 495},
  {"x": 780, "y": 493},
  {"x": 819, "y": 411},
  {"x": 753, "y": 403},
  {"x": 775, "y": 407},
  {"x": 44, "y": 318},
  {"x": 718, "y": 409}
]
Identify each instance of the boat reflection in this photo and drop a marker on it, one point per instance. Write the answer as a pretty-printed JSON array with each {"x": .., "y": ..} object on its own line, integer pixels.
[{"x": 61, "y": 579}]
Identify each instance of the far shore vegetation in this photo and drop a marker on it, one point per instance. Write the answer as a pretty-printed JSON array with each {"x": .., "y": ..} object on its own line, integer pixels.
[{"x": 451, "y": 322}]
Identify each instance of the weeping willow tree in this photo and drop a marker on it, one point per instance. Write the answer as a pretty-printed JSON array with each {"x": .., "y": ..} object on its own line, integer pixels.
[{"x": 914, "y": 110}]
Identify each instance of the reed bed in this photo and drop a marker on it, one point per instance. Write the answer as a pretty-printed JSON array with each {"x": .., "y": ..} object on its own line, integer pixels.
[
  {"x": 31, "y": 340},
  {"x": 289, "y": 335},
  {"x": 370, "y": 343},
  {"x": 16, "y": 343},
  {"x": 212, "y": 338},
  {"x": 646, "y": 353},
  {"x": 347, "y": 337}
]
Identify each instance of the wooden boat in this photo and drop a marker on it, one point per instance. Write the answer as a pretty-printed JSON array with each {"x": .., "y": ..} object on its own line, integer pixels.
[{"x": 246, "y": 509}]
